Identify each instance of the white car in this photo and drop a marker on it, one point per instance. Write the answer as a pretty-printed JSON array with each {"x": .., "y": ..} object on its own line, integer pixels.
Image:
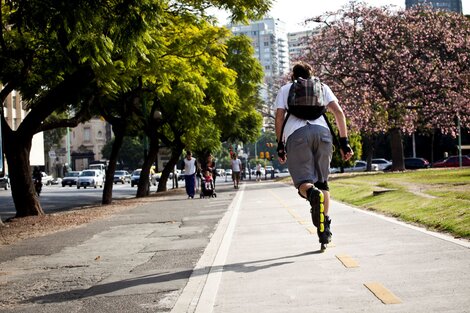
[
  {"x": 382, "y": 164},
  {"x": 46, "y": 179},
  {"x": 90, "y": 178},
  {"x": 361, "y": 166}
]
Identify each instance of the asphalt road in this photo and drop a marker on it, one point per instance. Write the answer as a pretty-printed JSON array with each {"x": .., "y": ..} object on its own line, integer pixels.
[{"x": 57, "y": 198}]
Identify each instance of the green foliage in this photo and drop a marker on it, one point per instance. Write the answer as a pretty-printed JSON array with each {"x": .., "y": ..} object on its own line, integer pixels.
[{"x": 131, "y": 155}]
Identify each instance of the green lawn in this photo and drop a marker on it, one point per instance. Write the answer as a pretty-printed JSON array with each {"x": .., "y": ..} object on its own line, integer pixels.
[{"x": 437, "y": 199}]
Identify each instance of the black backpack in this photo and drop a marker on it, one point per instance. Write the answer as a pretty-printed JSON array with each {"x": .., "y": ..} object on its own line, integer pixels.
[{"x": 306, "y": 100}]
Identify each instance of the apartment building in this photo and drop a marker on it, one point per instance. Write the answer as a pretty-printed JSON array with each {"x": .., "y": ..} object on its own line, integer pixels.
[
  {"x": 14, "y": 114},
  {"x": 269, "y": 40},
  {"x": 298, "y": 45},
  {"x": 83, "y": 144},
  {"x": 449, "y": 5}
]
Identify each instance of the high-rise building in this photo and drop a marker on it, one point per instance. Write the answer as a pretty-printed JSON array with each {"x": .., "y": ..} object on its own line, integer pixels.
[
  {"x": 297, "y": 42},
  {"x": 449, "y": 5},
  {"x": 270, "y": 44}
]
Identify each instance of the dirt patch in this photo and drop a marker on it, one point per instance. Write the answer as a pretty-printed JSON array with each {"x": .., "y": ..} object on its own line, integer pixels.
[{"x": 17, "y": 229}]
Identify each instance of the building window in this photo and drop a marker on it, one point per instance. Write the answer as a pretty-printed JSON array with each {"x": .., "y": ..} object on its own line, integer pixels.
[{"x": 86, "y": 134}]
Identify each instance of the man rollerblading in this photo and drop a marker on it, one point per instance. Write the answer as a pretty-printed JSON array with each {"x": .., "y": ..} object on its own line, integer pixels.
[{"x": 305, "y": 140}]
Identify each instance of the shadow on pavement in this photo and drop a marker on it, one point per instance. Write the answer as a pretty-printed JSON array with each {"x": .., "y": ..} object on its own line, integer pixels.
[{"x": 97, "y": 290}]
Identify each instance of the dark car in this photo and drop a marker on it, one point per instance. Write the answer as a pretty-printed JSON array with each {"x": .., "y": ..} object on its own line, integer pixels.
[
  {"x": 5, "y": 182},
  {"x": 453, "y": 161},
  {"x": 122, "y": 177},
  {"x": 70, "y": 178},
  {"x": 135, "y": 177},
  {"x": 416, "y": 163}
]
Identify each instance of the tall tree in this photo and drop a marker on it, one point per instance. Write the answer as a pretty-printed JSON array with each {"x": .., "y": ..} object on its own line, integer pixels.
[
  {"x": 394, "y": 70},
  {"x": 60, "y": 55}
]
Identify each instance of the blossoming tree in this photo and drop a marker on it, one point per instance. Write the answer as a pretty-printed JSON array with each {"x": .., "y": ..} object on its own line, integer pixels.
[{"x": 396, "y": 71}]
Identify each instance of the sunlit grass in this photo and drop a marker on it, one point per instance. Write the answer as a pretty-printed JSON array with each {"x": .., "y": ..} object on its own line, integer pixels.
[{"x": 438, "y": 199}]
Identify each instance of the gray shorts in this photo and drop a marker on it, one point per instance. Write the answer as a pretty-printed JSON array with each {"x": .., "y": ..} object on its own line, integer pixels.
[{"x": 309, "y": 151}]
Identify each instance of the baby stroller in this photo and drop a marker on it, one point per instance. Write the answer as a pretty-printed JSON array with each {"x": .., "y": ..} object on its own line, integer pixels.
[{"x": 207, "y": 189}]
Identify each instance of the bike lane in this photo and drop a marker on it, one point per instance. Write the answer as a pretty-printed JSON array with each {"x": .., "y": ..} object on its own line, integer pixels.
[{"x": 264, "y": 257}]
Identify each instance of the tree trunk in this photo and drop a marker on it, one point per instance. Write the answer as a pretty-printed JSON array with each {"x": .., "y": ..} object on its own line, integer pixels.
[
  {"x": 22, "y": 187},
  {"x": 175, "y": 154},
  {"x": 108, "y": 184},
  {"x": 369, "y": 143},
  {"x": 396, "y": 144},
  {"x": 143, "y": 188}
]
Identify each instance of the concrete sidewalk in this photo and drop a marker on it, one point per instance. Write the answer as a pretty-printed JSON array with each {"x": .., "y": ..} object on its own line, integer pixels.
[{"x": 264, "y": 257}]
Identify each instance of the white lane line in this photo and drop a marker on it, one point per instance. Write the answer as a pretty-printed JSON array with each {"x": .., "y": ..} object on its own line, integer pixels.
[
  {"x": 200, "y": 292},
  {"x": 209, "y": 293}
]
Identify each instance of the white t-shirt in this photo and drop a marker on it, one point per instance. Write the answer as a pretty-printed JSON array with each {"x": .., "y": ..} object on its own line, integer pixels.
[
  {"x": 294, "y": 123},
  {"x": 237, "y": 165},
  {"x": 189, "y": 166}
]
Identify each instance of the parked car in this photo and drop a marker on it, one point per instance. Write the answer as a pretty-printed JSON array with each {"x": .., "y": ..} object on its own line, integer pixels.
[
  {"x": 228, "y": 172},
  {"x": 269, "y": 169},
  {"x": 334, "y": 170},
  {"x": 5, "y": 182},
  {"x": 46, "y": 179},
  {"x": 122, "y": 177},
  {"x": 453, "y": 161},
  {"x": 416, "y": 163},
  {"x": 383, "y": 164},
  {"x": 90, "y": 178},
  {"x": 361, "y": 166},
  {"x": 70, "y": 178},
  {"x": 135, "y": 177}
]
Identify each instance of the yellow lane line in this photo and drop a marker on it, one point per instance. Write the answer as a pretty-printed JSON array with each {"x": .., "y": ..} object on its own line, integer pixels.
[
  {"x": 382, "y": 293},
  {"x": 347, "y": 261}
]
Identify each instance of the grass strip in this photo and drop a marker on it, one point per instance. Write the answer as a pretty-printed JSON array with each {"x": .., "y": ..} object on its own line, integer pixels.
[{"x": 435, "y": 198}]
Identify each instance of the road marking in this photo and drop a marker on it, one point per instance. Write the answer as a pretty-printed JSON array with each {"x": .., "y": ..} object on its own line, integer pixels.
[
  {"x": 206, "y": 301},
  {"x": 347, "y": 261},
  {"x": 382, "y": 293},
  {"x": 199, "y": 293}
]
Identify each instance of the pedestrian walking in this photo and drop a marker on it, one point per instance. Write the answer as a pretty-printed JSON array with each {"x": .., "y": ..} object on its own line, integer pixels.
[
  {"x": 236, "y": 169},
  {"x": 190, "y": 167},
  {"x": 258, "y": 172},
  {"x": 305, "y": 141}
]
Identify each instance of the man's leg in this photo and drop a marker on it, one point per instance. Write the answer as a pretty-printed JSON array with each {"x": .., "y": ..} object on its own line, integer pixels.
[{"x": 319, "y": 199}]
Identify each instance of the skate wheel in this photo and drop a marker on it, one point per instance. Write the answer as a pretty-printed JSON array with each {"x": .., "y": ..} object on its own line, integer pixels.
[
  {"x": 322, "y": 208},
  {"x": 322, "y": 228},
  {"x": 323, "y": 247},
  {"x": 322, "y": 218}
]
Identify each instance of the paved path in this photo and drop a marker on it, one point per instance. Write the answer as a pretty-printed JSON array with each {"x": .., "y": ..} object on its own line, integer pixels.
[
  {"x": 268, "y": 261},
  {"x": 253, "y": 250}
]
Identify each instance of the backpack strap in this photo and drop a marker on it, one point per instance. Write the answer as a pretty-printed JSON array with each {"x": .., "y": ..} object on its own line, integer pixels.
[{"x": 284, "y": 125}]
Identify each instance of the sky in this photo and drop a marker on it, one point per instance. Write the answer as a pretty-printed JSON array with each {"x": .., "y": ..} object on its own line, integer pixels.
[{"x": 294, "y": 12}]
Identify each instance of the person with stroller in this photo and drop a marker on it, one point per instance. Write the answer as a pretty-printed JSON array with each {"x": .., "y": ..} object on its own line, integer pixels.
[
  {"x": 209, "y": 165},
  {"x": 236, "y": 169}
]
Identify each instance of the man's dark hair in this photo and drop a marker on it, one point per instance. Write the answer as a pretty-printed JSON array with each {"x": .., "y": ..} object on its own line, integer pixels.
[{"x": 301, "y": 69}]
